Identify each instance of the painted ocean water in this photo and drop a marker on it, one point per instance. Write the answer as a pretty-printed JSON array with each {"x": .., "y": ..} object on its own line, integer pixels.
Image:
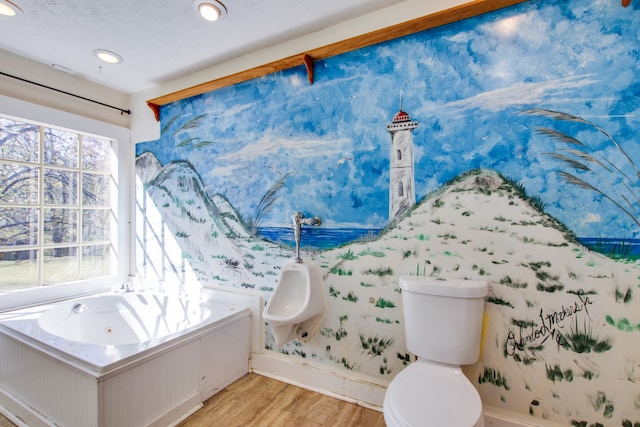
[
  {"x": 613, "y": 247},
  {"x": 318, "y": 237},
  {"x": 326, "y": 238}
]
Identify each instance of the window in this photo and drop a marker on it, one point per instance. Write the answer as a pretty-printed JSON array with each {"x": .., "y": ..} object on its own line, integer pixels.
[
  {"x": 400, "y": 189},
  {"x": 398, "y": 155},
  {"x": 57, "y": 205}
]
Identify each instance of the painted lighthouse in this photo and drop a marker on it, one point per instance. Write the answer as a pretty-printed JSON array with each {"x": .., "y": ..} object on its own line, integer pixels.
[{"x": 402, "y": 193}]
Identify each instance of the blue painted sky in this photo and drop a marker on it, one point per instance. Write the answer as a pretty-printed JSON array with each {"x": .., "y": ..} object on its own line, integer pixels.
[{"x": 465, "y": 83}]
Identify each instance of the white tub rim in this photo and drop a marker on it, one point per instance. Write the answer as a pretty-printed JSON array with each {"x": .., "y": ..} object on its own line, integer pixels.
[{"x": 22, "y": 325}]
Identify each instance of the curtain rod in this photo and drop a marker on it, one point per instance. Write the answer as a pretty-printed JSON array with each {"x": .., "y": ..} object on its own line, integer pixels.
[{"x": 66, "y": 93}]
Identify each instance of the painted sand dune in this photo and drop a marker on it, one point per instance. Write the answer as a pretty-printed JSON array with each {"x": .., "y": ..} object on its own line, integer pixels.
[{"x": 556, "y": 317}]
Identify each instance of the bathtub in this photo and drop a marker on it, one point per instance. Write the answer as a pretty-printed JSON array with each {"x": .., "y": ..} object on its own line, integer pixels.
[{"x": 125, "y": 359}]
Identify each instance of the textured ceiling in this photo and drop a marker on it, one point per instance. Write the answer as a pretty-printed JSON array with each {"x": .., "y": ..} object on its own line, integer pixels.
[{"x": 161, "y": 39}]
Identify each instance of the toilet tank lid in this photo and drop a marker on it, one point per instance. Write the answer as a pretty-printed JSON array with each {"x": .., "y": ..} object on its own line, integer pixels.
[{"x": 461, "y": 288}]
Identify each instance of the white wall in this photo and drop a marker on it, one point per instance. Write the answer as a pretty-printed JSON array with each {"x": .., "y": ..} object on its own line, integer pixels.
[{"x": 45, "y": 75}]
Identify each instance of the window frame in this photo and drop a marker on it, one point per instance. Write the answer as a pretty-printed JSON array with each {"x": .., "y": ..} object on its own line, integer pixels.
[{"x": 121, "y": 236}]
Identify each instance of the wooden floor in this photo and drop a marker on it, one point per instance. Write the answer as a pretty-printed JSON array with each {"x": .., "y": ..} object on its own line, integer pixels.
[
  {"x": 255, "y": 400},
  {"x": 5, "y": 422},
  {"x": 258, "y": 401}
]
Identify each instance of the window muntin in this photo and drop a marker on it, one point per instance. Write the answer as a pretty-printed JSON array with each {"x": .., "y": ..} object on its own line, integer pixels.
[{"x": 56, "y": 218}]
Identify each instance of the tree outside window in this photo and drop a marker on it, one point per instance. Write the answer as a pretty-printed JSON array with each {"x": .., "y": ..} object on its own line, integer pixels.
[{"x": 56, "y": 211}]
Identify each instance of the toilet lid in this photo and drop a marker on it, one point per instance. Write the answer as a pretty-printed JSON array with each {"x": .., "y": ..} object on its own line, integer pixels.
[{"x": 427, "y": 394}]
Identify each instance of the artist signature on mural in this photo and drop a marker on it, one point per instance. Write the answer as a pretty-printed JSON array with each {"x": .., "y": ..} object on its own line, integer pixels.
[{"x": 550, "y": 326}]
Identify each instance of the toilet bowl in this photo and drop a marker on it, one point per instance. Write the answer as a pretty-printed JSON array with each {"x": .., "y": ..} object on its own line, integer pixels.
[
  {"x": 430, "y": 394},
  {"x": 442, "y": 324},
  {"x": 298, "y": 304}
]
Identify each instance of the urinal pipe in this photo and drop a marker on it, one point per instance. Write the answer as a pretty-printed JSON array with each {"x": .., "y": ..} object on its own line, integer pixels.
[{"x": 298, "y": 220}]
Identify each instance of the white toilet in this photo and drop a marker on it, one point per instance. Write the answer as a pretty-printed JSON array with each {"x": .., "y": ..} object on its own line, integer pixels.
[
  {"x": 298, "y": 304},
  {"x": 443, "y": 325}
]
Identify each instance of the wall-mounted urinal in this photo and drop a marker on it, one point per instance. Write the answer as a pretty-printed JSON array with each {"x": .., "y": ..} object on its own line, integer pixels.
[{"x": 298, "y": 304}]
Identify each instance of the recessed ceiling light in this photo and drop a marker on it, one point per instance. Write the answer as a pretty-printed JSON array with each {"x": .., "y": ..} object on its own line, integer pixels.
[
  {"x": 211, "y": 10},
  {"x": 107, "y": 56},
  {"x": 8, "y": 8}
]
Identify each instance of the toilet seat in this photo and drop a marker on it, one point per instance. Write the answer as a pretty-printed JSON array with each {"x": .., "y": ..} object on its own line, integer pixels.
[{"x": 430, "y": 394}]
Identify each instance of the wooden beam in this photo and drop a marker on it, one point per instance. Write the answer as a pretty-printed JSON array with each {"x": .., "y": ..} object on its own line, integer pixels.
[
  {"x": 458, "y": 13},
  {"x": 308, "y": 62},
  {"x": 156, "y": 110}
]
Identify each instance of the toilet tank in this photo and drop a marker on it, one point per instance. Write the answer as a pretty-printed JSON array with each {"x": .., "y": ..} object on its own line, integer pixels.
[{"x": 443, "y": 318}]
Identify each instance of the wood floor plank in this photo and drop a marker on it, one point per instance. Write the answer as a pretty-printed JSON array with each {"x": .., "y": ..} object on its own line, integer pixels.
[
  {"x": 316, "y": 407},
  {"x": 254, "y": 402},
  {"x": 278, "y": 407},
  {"x": 264, "y": 402},
  {"x": 238, "y": 404},
  {"x": 290, "y": 419},
  {"x": 354, "y": 415}
]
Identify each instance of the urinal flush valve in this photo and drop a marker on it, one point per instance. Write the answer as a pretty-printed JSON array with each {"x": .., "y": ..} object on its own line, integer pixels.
[{"x": 298, "y": 220}]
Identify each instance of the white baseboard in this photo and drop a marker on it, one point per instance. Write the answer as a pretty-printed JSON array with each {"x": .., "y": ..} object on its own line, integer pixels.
[
  {"x": 498, "y": 417},
  {"x": 19, "y": 414},
  {"x": 339, "y": 383}
]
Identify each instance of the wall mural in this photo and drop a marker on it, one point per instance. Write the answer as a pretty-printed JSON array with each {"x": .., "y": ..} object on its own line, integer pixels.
[{"x": 502, "y": 147}]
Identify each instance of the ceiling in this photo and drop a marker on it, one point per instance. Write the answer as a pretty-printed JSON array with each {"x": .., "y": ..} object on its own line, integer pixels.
[{"x": 161, "y": 40}]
